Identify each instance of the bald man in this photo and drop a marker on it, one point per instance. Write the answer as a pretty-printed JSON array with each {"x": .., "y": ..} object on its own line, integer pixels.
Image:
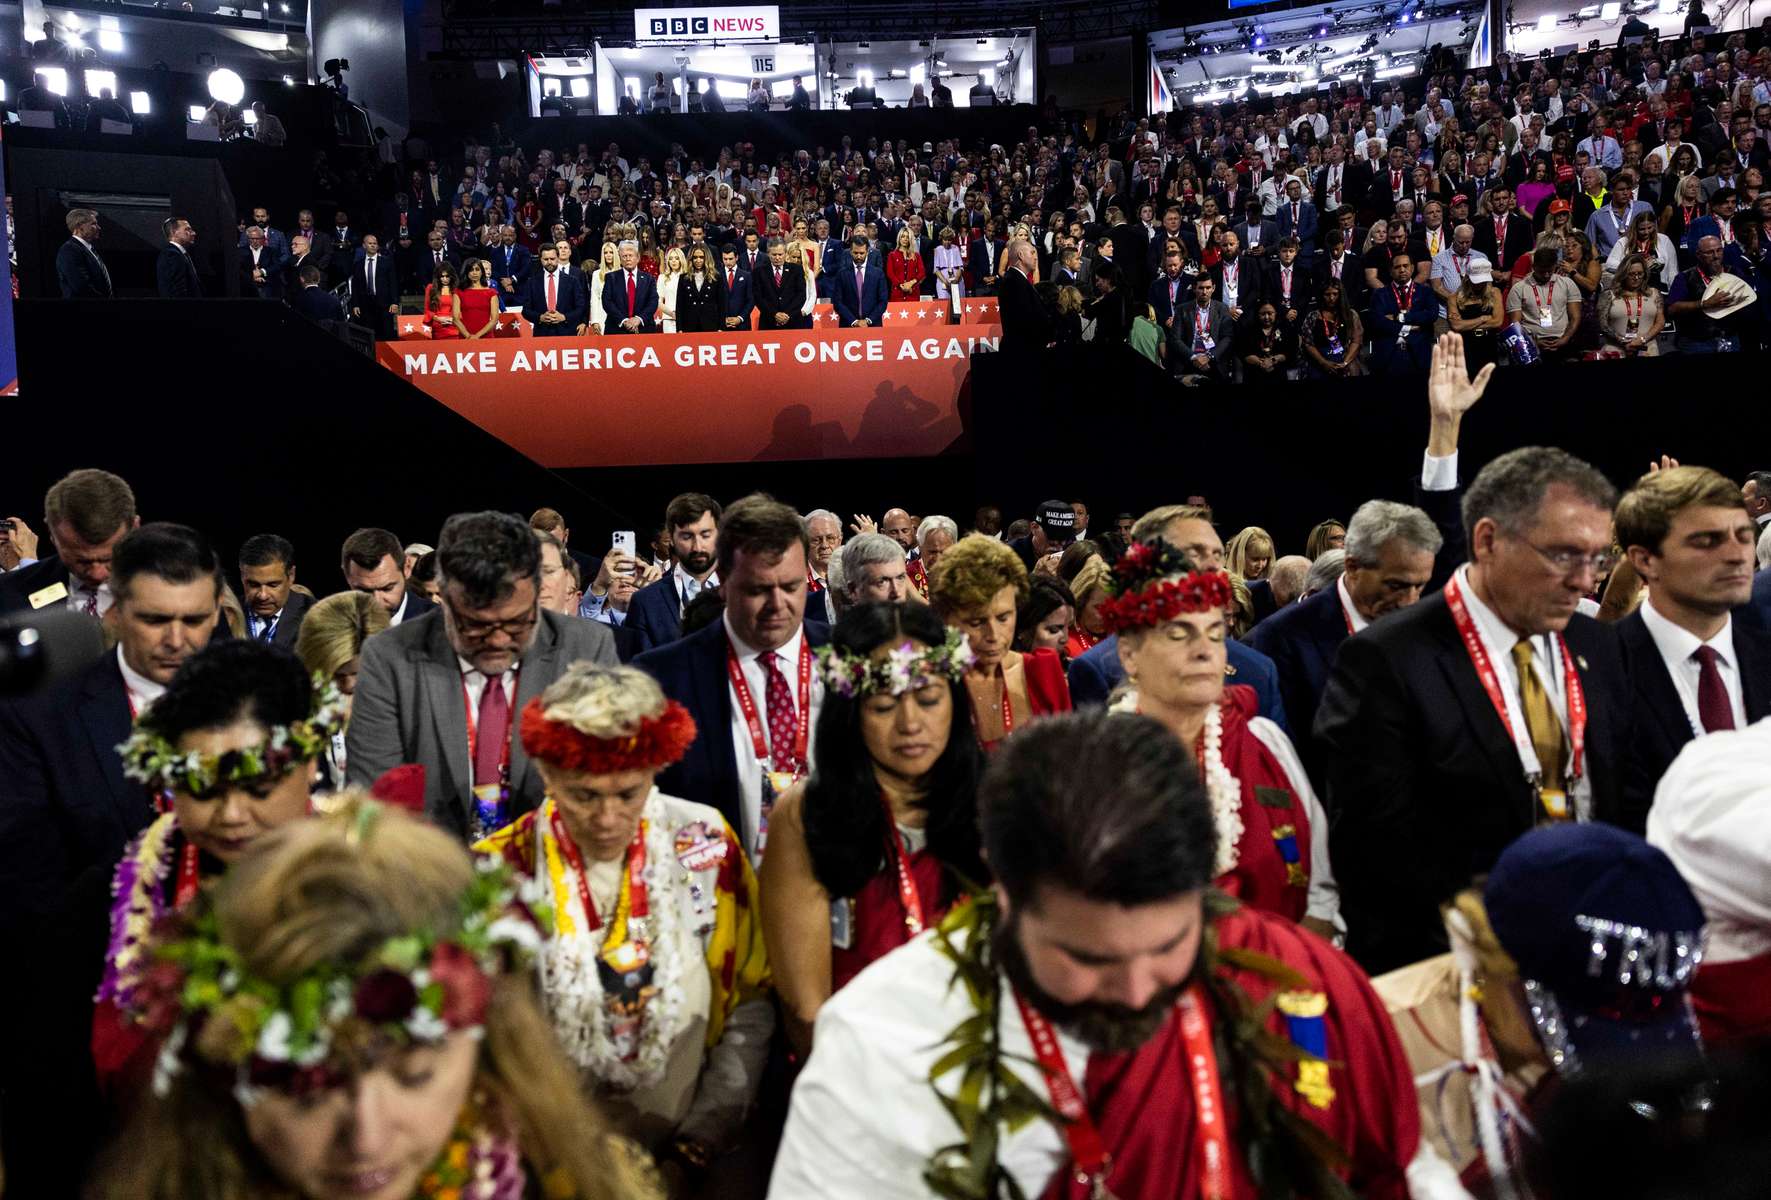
[{"x": 898, "y": 525}]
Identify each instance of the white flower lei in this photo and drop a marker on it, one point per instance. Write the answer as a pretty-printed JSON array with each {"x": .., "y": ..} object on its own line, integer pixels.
[
  {"x": 568, "y": 967},
  {"x": 1221, "y": 786}
]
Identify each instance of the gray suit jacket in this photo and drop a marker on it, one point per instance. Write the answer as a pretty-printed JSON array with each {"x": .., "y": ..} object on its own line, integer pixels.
[{"x": 408, "y": 708}]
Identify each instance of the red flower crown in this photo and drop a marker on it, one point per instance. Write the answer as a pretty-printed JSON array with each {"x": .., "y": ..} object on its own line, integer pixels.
[
  {"x": 658, "y": 742},
  {"x": 1153, "y": 582}
]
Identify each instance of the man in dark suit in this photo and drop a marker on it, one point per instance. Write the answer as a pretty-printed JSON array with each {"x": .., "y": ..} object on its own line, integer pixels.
[
  {"x": 372, "y": 561},
  {"x": 1200, "y": 340},
  {"x": 1240, "y": 284},
  {"x": 556, "y": 304},
  {"x": 752, "y": 254},
  {"x": 734, "y": 291},
  {"x": 1402, "y": 316},
  {"x": 85, "y": 513},
  {"x": 274, "y": 608},
  {"x": 375, "y": 290},
  {"x": 1169, "y": 291},
  {"x": 1693, "y": 668},
  {"x": 1444, "y": 729},
  {"x": 981, "y": 257},
  {"x": 780, "y": 291},
  {"x": 415, "y": 703},
  {"x": 1026, "y": 325},
  {"x": 630, "y": 296},
  {"x": 313, "y": 301},
  {"x": 1289, "y": 284},
  {"x": 1096, "y": 673},
  {"x": 64, "y": 803},
  {"x": 1502, "y": 236},
  {"x": 1297, "y": 218},
  {"x": 1390, "y": 552},
  {"x": 174, "y": 273},
  {"x": 78, "y": 268},
  {"x": 772, "y": 705},
  {"x": 859, "y": 295},
  {"x": 655, "y": 615},
  {"x": 422, "y": 267},
  {"x": 1257, "y": 235},
  {"x": 261, "y": 270},
  {"x": 511, "y": 264}
]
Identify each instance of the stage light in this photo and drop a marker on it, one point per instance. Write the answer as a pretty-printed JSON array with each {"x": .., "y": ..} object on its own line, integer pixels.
[
  {"x": 989, "y": 77},
  {"x": 550, "y": 86},
  {"x": 1260, "y": 39},
  {"x": 55, "y": 79},
  {"x": 781, "y": 89},
  {"x": 100, "y": 81},
  {"x": 581, "y": 86},
  {"x": 865, "y": 78},
  {"x": 110, "y": 35},
  {"x": 226, "y": 86},
  {"x": 288, "y": 81},
  {"x": 195, "y": 112},
  {"x": 140, "y": 104},
  {"x": 1547, "y": 23},
  {"x": 633, "y": 87},
  {"x": 284, "y": 7},
  {"x": 1611, "y": 11},
  {"x": 1669, "y": 7},
  {"x": 919, "y": 74},
  {"x": 250, "y": 117}
]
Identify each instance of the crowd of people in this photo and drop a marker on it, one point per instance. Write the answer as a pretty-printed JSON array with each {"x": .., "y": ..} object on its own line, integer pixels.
[
  {"x": 709, "y": 866},
  {"x": 1610, "y": 202}
]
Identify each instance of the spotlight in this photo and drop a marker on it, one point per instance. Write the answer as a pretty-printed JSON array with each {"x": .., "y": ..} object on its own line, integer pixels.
[
  {"x": 226, "y": 86},
  {"x": 140, "y": 103},
  {"x": 581, "y": 86},
  {"x": 195, "y": 112},
  {"x": 110, "y": 41},
  {"x": 1547, "y": 23},
  {"x": 288, "y": 81},
  {"x": 1260, "y": 39},
  {"x": 1402, "y": 20}
]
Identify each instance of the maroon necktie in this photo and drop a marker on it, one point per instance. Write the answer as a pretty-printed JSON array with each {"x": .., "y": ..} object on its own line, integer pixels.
[
  {"x": 492, "y": 732},
  {"x": 632, "y": 302},
  {"x": 777, "y": 276},
  {"x": 783, "y": 717},
  {"x": 1713, "y": 709}
]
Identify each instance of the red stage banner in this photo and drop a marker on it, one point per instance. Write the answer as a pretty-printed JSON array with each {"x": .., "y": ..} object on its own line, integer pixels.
[{"x": 706, "y": 397}]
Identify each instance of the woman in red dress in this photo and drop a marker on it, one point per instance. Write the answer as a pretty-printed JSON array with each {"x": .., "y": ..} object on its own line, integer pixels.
[
  {"x": 529, "y": 231},
  {"x": 977, "y": 588},
  {"x": 477, "y": 302},
  {"x": 442, "y": 304},
  {"x": 883, "y": 838},
  {"x": 1171, "y": 621},
  {"x": 650, "y": 261},
  {"x": 904, "y": 267}
]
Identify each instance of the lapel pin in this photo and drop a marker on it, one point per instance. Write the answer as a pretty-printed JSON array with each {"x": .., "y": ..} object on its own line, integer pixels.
[{"x": 1581, "y": 659}]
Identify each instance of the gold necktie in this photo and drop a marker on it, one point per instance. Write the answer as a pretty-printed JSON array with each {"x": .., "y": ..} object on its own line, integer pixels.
[{"x": 1540, "y": 718}]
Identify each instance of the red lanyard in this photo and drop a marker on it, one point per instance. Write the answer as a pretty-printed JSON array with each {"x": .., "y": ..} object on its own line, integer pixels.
[
  {"x": 1404, "y": 300},
  {"x": 636, "y": 871},
  {"x": 1538, "y": 299},
  {"x": 747, "y": 706},
  {"x": 1577, "y": 702},
  {"x": 1201, "y": 318},
  {"x": 472, "y": 722},
  {"x": 1008, "y": 712},
  {"x": 1462, "y": 264},
  {"x": 899, "y": 851},
  {"x": 1087, "y": 639},
  {"x": 1634, "y": 315},
  {"x": 186, "y": 891},
  {"x": 1088, "y": 1153}
]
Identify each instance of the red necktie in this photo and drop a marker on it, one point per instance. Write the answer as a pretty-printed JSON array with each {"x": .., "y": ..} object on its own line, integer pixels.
[
  {"x": 553, "y": 282},
  {"x": 783, "y": 717},
  {"x": 492, "y": 732},
  {"x": 731, "y": 280},
  {"x": 1714, "y": 711},
  {"x": 777, "y": 276},
  {"x": 632, "y": 300}
]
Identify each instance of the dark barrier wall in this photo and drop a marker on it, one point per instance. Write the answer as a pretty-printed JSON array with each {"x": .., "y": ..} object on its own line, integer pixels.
[
  {"x": 1114, "y": 431},
  {"x": 240, "y": 417},
  {"x": 702, "y": 134}
]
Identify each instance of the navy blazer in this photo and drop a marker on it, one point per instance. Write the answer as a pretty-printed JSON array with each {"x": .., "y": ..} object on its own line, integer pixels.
[
  {"x": 1390, "y": 357},
  {"x": 1301, "y": 639},
  {"x": 572, "y": 303},
  {"x": 79, "y": 272},
  {"x": 1305, "y": 228},
  {"x": 16, "y": 587},
  {"x": 692, "y": 671},
  {"x": 1159, "y": 301},
  {"x": 176, "y": 275},
  {"x": 645, "y": 299},
  {"x": 514, "y": 261},
  {"x": 1095, "y": 674},
  {"x": 1661, "y": 728},
  {"x": 871, "y": 303},
  {"x": 655, "y": 614},
  {"x": 735, "y": 300},
  {"x": 64, "y": 803},
  {"x": 317, "y": 304},
  {"x": 1758, "y": 609}
]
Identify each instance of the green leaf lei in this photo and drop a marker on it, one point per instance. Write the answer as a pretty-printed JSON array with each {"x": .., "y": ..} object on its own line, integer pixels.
[{"x": 1287, "y": 1155}]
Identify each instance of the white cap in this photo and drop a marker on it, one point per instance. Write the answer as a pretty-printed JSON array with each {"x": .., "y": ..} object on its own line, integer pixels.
[{"x": 1712, "y": 817}]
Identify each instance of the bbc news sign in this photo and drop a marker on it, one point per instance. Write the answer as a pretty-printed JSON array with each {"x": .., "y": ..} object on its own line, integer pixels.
[{"x": 734, "y": 23}]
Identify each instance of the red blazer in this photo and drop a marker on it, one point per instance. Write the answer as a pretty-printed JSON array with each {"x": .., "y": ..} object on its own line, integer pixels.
[{"x": 902, "y": 269}]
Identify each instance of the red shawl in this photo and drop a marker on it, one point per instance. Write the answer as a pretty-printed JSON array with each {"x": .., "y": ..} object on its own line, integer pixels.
[
  {"x": 1143, "y": 1101},
  {"x": 876, "y": 925},
  {"x": 1261, "y": 878}
]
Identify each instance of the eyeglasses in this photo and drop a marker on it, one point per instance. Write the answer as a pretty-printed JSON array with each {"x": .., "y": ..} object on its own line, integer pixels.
[
  {"x": 1571, "y": 562},
  {"x": 477, "y": 630}
]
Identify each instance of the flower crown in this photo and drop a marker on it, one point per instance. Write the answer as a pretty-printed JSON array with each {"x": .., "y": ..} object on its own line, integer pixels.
[
  {"x": 1154, "y": 582},
  {"x": 149, "y": 758},
  {"x": 856, "y": 676},
  {"x": 657, "y": 742},
  {"x": 309, "y": 1033}
]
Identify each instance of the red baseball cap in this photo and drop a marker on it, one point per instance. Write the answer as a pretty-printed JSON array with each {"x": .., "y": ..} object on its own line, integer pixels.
[
  {"x": 1564, "y": 173},
  {"x": 1560, "y": 206}
]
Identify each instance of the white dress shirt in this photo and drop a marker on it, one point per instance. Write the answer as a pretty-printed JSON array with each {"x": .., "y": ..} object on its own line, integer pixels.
[
  {"x": 1498, "y": 638},
  {"x": 256, "y": 625},
  {"x": 78, "y": 592},
  {"x": 1677, "y": 645},
  {"x": 686, "y": 587},
  {"x": 1357, "y": 621},
  {"x": 399, "y": 614},
  {"x": 750, "y": 771},
  {"x": 142, "y": 690}
]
